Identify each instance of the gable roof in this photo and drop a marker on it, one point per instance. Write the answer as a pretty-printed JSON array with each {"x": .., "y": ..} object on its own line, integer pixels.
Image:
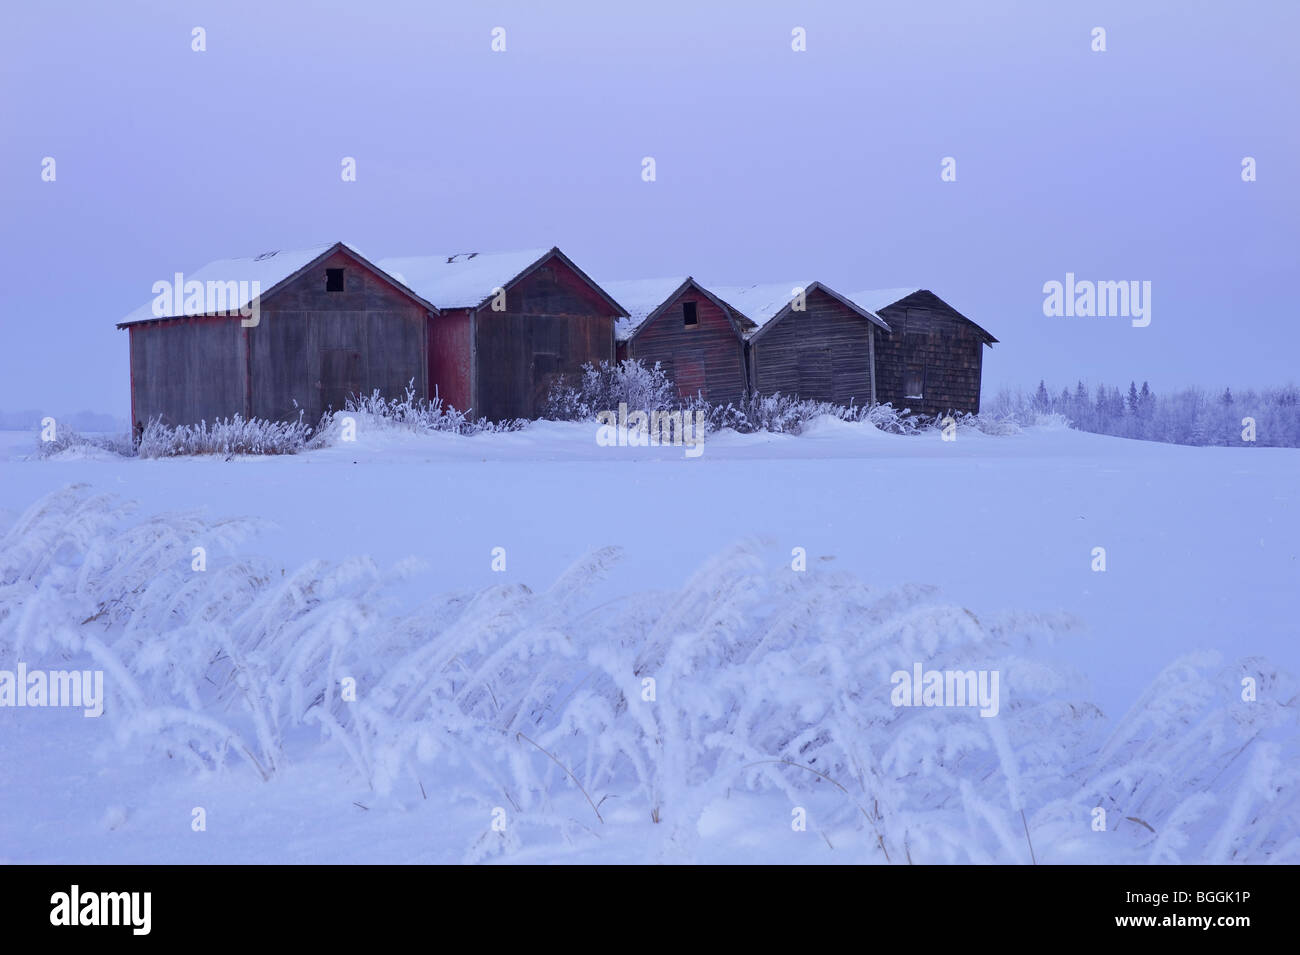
[
  {"x": 761, "y": 304},
  {"x": 469, "y": 279},
  {"x": 876, "y": 299},
  {"x": 645, "y": 299},
  {"x": 269, "y": 269}
]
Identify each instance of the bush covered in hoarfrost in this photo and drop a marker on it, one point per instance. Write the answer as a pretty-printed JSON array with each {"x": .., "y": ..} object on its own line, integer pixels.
[
  {"x": 604, "y": 387},
  {"x": 225, "y": 436},
  {"x": 648, "y": 388},
  {"x": 748, "y": 678},
  {"x": 410, "y": 413},
  {"x": 68, "y": 442}
]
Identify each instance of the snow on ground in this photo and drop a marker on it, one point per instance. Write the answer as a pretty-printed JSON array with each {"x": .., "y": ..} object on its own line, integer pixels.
[{"x": 1202, "y": 551}]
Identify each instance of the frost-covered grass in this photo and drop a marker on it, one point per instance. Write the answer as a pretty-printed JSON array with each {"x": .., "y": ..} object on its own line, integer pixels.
[
  {"x": 602, "y": 388},
  {"x": 410, "y": 413},
  {"x": 69, "y": 443},
  {"x": 560, "y": 705},
  {"x": 226, "y": 437},
  {"x": 640, "y": 387}
]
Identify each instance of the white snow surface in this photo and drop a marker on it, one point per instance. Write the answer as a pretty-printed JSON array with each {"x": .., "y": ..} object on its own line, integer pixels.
[
  {"x": 462, "y": 280},
  {"x": 519, "y": 694}
]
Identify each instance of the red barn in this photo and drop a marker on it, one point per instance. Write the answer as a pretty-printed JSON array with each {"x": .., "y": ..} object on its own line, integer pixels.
[
  {"x": 507, "y": 325},
  {"x": 272, "y": 336},
  {"x": 695, "y": 336}
]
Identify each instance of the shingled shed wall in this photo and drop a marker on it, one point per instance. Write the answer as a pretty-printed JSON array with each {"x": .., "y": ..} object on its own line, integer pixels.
[
  {"x": 707, "y": 358},
  {"x": 823, "y": 353},
  {"x": 932, "y": 346},
  {"x": 553, "y": 323}
]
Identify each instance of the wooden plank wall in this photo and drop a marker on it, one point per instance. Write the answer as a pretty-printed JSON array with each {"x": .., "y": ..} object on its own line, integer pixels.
[
  {"x": 187, "y": 370},
  {"x": 554, "y": 322},
  {"x": 929, "y": 342},
  {"x": 708, "y": 357},
  {"x": 314, "y": 346},
  {"x": 822, "y": 353}
]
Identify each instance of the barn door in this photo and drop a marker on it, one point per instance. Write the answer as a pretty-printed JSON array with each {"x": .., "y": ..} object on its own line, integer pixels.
[
  {"x": 340, "y": 376},
  {"x": 546, "y": 370},
  {"x": 815, "y": 376},
  {"x": 691, "y": 379},
  {"x": 914, "y": 366}
]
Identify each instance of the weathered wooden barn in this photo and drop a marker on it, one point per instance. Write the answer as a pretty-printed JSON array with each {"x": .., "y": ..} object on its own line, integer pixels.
[
  {"x": 274, "y": 335},
  {"x": 807, "y": 340},
  {"x": 930, "y": 359},
  {"x": 507, "y": 325},
  {"x": 695, "y": 336}
]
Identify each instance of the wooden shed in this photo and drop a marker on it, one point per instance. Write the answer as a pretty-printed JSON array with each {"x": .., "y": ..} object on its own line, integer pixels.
[
  {"x": 931, "y": 358},
  {"x": 274, "y": 335},
  {"x": 807, "y": 340},
  {"x": 507, "y": 325},
  {"x": 696, "y": 338}
]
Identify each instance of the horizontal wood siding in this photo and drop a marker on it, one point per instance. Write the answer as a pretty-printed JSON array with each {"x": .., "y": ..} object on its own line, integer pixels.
[
  {"x": 822, "y": 353},
  {"x": 929, "y": 342},
  {"x": 315, "y": 347},
  {"x": 708, "y": 357},
  {"x": 553, "y": 323}
]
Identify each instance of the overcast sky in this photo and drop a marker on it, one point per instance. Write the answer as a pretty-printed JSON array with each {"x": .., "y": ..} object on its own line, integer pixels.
[{"x": 771, "y": 164}]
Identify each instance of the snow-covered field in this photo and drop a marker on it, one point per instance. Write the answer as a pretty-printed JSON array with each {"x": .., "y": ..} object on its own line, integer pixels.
[{"x": 517, "y": 698}]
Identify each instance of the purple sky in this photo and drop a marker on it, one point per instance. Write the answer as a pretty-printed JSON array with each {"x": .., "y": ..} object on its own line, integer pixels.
[{"x": 771, "y": 164}]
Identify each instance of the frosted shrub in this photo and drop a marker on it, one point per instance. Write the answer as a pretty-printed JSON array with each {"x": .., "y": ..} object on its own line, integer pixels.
[
  {"x": 410, "y": 413},
  {"x": 642, "y": 388},
  {"x": 225, "y": 436},
  {"x": 783, "y": 414},
  {"x": 605, "y": 387},
  {"x": 561, "y": 703},
  {"x": 67, "y": 440}
]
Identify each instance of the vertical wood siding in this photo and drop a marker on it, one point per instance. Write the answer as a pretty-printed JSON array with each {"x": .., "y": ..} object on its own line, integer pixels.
[
  {"x": 554, "y": 322},
  {"x": 315, "y": 347},
  {"x": 188, "y": 370}
]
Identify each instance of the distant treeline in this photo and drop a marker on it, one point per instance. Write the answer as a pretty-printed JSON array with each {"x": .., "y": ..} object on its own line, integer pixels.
[{"x": 1189, "y": 416}]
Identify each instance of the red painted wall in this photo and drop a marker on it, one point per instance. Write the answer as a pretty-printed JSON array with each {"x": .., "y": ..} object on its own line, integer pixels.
[{"x": 449, "y": 358}]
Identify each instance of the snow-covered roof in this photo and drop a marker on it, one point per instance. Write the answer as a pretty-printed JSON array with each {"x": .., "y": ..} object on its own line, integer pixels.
[
  {"x": 760, "y": 303},
  {"x": 268, "y": 269},
  {"x": 464, "y": 280},
  {"x": 876, "y": 299},
  {"x": 640, "y": 297}
]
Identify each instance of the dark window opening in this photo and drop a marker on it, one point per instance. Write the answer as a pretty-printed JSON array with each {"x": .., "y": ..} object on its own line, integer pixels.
[
  {"x": 914, "y": 383},
  {"x": 334, "y": 280},
  {"x": 688, "y": 310}
]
